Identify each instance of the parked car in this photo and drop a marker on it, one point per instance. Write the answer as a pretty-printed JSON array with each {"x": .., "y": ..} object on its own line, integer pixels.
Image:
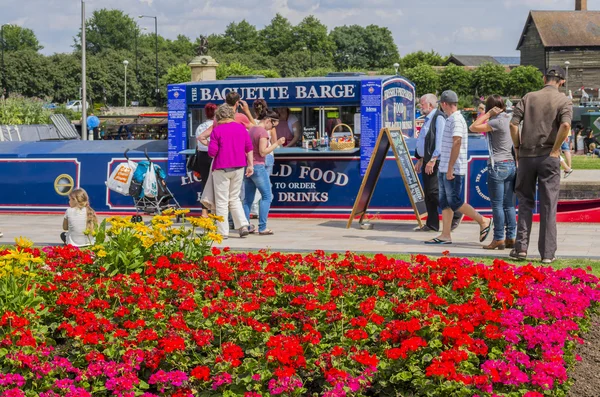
[
  {"x": 50, "y": 106},
  {"x": 76, "y": 105}
]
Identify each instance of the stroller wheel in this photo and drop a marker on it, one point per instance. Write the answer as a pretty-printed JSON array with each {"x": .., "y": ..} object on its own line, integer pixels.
[{"x": 136, "y": 219}]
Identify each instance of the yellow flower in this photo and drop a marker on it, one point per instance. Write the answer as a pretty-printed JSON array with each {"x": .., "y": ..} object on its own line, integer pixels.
[
  {"x": 176, "y": 232},
  {"x": 147, "y": 242},
  {"x": 101, "y": 254},
  {"x": 169, "y": 211},
  {"x": 23, "y": 242},
  {"x": 217, "y": 238},
  {"x": 182, "y": 211},
  {"x": 216, "y": 217}
]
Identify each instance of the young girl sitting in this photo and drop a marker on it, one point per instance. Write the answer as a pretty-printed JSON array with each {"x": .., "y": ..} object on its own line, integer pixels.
[{"x": 80, "y": 220}]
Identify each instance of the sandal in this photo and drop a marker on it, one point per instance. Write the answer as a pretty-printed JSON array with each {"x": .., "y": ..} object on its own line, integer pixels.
[
  {"x": 266, "y": 232},
  {"x": 243, "y": 231},
  {"x": 252, "y": 229},
  {"x": 517, "y": 255},
  {"x": 486, "y": 231},
  {"x": 437, "y": 241},
  {"x": 567, "y": 173}
]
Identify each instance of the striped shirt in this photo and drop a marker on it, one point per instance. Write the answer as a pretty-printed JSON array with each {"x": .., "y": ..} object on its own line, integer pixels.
[{"x": 455, "y": 126}]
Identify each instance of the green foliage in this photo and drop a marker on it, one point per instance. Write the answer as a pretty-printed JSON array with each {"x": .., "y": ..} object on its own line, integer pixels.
[
  {"x": 68, "y": 113},
  {"x": 238, "y": 37},
  {"x": 312, "y": 34},
  {"x": 177, "y": 74},
  {"x": 276, "y": 37},
  {"x": 457, "y": 79},
  {"x": 524, "y": 79},
  {"x": 425, "y": 78},
  {"x": 17, "y": 38},
  {"x": 414, "y": 59},
  {"x": 20, "y": 110},
  {"x": 27, "y": 73},
  {"x": 109, "y": 29},
  {"x": 489, "y": 79},
  {"x": 381, "y": 50}
]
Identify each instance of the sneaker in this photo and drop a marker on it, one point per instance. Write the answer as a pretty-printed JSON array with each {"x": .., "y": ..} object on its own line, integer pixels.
[
  {"x": 244, "y": 231},
  {"x": 1, "y": 234},
  {"x": 548, "y": 261}
]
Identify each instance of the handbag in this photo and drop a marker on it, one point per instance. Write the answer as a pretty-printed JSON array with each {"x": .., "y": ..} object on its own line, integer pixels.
[
  {"x": 150, "y": 184},
  {"x": 194, "y": 162}
]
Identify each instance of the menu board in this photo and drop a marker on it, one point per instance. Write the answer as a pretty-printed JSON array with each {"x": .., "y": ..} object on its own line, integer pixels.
[
  {"x": 177, "y": 138},
  {"x": 370, "y": 120},
  {"x": 309, "y": 133},
  {"x": 395, "y": 140},
  {"x": 406, "y": 166}
]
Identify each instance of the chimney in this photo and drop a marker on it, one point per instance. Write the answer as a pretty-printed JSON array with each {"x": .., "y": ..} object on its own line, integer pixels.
[{"x": 580, "y": 5}]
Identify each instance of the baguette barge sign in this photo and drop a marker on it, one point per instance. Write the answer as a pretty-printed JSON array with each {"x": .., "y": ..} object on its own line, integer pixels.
[
  {"x": 288, "y": 92},
  {"x": 395, "y": 139}
]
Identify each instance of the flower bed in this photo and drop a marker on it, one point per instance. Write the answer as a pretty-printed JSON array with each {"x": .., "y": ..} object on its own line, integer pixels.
[{"x": 263, "y": 324}]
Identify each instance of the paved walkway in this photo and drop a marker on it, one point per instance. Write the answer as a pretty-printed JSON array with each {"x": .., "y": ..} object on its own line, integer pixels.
[{"x": 301, "y": 235}]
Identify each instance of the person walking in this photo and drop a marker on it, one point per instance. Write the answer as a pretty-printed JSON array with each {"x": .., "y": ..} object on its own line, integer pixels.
[
  {"x": 202, "y": 148},
  {"x": 502, "y": 171},
  {"x": 427, "y": 152},
  {"x": 260, "y": 180},
  {"x": 453, "y": 171},
  {"x": 546, "y": 116},
  {"x": 231, "y": 148}
]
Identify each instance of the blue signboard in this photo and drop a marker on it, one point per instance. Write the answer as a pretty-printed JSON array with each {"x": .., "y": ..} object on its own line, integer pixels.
[
  {"x": 279, "y": 92},
  {"x": 399, "y": 105},
  {"x": 177, "y": 107},
  {"x": 370, "y": 120}
]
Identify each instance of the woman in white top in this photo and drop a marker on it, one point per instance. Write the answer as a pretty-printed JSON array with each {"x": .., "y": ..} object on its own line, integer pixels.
[
  {"x": 80, "y": 220},
  {"x": 202, "y": 149}
]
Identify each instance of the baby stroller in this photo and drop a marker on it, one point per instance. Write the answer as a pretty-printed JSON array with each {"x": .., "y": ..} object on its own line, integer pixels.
[{"x": 150, "y": 205}]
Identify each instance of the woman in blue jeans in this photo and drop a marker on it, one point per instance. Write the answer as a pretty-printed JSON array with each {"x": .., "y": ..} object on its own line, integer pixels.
[
  {"x": 261, "y": 179},
  {"x": 502, "y": 171}
]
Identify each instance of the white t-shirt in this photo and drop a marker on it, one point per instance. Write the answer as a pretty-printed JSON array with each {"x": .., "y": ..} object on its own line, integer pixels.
[
  {"x": 455, "y": 126},
  {"x": 201, "y": 128},
  {"x": 76, "y": 218}
]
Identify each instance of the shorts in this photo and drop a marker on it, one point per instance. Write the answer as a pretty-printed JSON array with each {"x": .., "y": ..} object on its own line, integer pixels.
[
  {"x": 565, "y": 146},
  {"x": 451, "y": 193}
]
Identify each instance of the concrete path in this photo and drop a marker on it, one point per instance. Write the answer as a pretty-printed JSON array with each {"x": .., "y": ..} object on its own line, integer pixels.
[{"x": 305, "y": 235}]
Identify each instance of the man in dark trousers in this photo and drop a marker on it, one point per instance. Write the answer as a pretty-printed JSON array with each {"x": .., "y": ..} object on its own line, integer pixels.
[
  {"x": 546, "y": 116},
  {"x": 427, "y": 153}
]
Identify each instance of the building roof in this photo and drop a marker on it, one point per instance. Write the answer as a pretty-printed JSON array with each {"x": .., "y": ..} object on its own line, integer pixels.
[
  {"x": 470, "y": 60},
  {"x": 508, "y": 61},
  {"x": 565, "y": 28}
]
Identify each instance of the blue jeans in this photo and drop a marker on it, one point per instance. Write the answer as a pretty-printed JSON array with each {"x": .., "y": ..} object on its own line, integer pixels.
[
  {"x": 451, "y": 192},
  {"x": 259, "y": 180},
  {"x": 501, "y": 186}
]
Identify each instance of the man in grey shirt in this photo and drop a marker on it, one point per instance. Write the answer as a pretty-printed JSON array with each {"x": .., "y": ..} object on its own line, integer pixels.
[{"x": 546, "y": 115}]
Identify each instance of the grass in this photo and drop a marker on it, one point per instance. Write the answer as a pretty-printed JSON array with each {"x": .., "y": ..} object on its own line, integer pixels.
[{"x": 585, "y": 163}]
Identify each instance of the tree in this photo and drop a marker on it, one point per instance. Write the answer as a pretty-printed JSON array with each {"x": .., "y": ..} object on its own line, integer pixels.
[
  {"x": 524, "y": 79},
  {"x": 65, "y": 76},
  {"x": 312, "y": 35},
  {"x": 350, "y": 47},
  {"x": 27, "y": 74},
  {"x": 17, "y": 38},
  {"x": 109, "y": 29},
  {"x": 276, "y": 37},
  {"x": 238, "y": 37},
  {"x": 381, "y": 50},
  {"x": 425, "y": 78},
  {"x": 182, "y": 47},
  {"x": 457, "y": 79},
  {"x": 177, "y": 74},
  {"x": 489, "y": 79},
  {"x": 431, "y": 58}
]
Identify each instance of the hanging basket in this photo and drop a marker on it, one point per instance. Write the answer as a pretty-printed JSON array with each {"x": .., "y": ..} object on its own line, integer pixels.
[{"x": 345, "y": 143}]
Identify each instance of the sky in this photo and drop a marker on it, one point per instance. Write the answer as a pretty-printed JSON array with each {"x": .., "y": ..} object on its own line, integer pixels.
[{"x": 461, "y": 27}]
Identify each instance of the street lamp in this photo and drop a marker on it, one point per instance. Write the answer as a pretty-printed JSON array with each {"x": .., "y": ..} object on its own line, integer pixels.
[
  {"x": 567, "y": 63},
  {"x": 125, "y": 62},
  {"x": 84, "y": 131},
  {"x": 396, "y": 66},
  {"x": 156, "y": 50}
]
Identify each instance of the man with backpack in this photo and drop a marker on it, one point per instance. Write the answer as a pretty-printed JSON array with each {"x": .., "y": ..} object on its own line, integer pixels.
[{"x": 427, "y": 153}]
